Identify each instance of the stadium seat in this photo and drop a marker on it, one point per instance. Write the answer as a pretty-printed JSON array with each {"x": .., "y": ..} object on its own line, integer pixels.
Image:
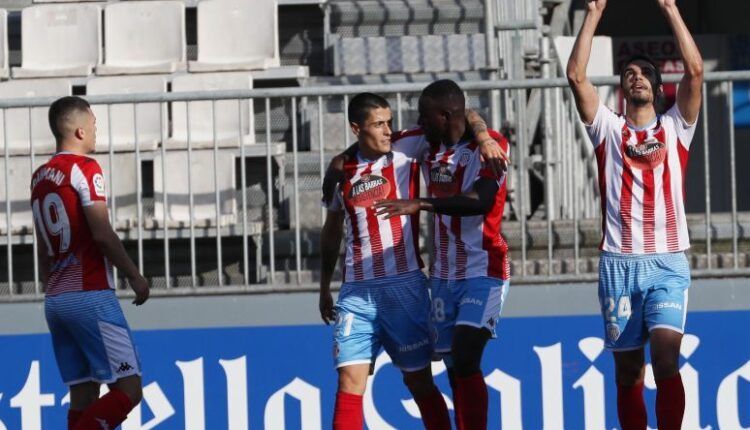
[
  {"x": 4, "y": 69},
  {"x": 18, "y": 139},
  {"x": 601, "y": 63},
  {"x": 143, "y": 37},
  {"x": 223, "y": 42},
  {"x": 204, "y": 197},
  {"x": 19, "y": 180},
  {"x": 408, "y": 54},
  {"x": 59, "y": 40},
  {"x": 121, "y": 183},
  {"x": 123, "y": 124},
  {"x": 201, "y": 115}
]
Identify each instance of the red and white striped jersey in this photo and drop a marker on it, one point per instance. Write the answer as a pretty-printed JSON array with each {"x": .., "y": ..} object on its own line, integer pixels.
[
  {"x": 60, "y": 189},
  {"x": 376, "y": 247},
  {"x": 469, "y": 246},
  {"x": 641, "y": 182}
]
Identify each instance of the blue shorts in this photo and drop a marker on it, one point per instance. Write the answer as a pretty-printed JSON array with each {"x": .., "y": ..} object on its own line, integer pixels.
[
  {"x": 639, "y": 293},
  {"x": 392, "y": 312},
  {"x": 476, "y": 302},
  {"x": 91, "y": 339}
]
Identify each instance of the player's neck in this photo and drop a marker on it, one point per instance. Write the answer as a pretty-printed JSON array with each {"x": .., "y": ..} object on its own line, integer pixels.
[
  {"x": 455, "y": 136},
  {"x": 640, "y": 116},
  {"x": 70, "y": 148},
  {"x": 368, "y": 154}
]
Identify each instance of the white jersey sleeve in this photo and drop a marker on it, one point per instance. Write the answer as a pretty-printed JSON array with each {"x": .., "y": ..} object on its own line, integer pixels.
[
  {"x": 603, "y": 125},
  {"x": 412, "y": 144},
  {"x": 685, "y": 131}
]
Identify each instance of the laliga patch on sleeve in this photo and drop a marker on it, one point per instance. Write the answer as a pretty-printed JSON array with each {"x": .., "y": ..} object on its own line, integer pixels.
[{"x": 98, "y": 181}]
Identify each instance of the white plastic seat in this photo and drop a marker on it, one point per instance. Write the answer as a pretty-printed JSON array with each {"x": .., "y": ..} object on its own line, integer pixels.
[
  {"x": 149, "y": 123},
  {"x": 201, "y": 115},
  {"x": 143, "y": 37},
  {"x": 204, "y": 194},
  {"x": 601, "y": 63},
  {"x": 17, "y": 119},
  {"x": 4, "y": 69},
  {"x": 19, "y": 181},
  {"x": 60, "y": 40},
  {"x": 237, "y": 35}
]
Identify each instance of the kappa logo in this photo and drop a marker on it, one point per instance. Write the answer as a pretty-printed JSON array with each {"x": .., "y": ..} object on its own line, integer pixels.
[
  {"x": 103, "y": 424},
  {"x": 124, "y": 367}
]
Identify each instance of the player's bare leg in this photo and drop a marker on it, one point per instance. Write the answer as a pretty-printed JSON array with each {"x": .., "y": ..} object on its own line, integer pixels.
[
  {"x": 348, "y": 414},
  {"x": 670, "y": 393},
  {"x": 113, "y": 408},
  {"x": 81, "y": 397},
  {"x": 629, "y": 373},
  {"x": 429, "y": 399},
  {"x": 470, "y": 390}
]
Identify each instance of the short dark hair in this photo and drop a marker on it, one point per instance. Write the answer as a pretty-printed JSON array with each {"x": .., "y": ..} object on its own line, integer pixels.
[
  {"x": 360, "y": 106},
  {"x": 445, "y": 91},
  {"x": 642, "y": 58},
  {"x": 60, "y": 109}
]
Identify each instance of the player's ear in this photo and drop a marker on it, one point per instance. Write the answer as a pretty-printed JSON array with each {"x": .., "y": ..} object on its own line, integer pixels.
[
  {"x": 355, "y": 128},
  {"x": 79, "y": 133}
]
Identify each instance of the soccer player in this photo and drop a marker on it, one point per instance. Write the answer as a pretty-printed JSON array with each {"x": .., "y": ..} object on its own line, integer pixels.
[
  {"x": 91, "y": 339},
  {"x": 470, "y": 272},
  {"x": 644, "y": 274},
  {"x": 384, "y": 300}
]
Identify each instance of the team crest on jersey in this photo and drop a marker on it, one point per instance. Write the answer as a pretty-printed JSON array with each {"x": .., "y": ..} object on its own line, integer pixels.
[
  {"x": 613, "y": 332},
  {"x": 465, "y": 157},
  {"x": 442, "y": 181},
  {"x": 368, "y": 189},
  {"x": 646, "y": 155}
]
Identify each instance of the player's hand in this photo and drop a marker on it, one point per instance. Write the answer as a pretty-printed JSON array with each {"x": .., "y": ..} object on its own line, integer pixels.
[
  {"x": 140, "y": 288},
  {"x": 494, "y": 157},
  {"x": 391, "y": 208},
  {"x": 599, "y": 5},
  {"x": 325, "y": 305},
  {"x": 334, "y": 176}
]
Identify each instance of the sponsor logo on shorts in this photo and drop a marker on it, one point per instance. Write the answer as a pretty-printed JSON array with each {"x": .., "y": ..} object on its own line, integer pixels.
[
  {"x": 666, "y": 305},
  {"x": 124, "y": 367},
  {"x": 414, "y": 346},
  {"x": 613, "y": 331},
  {"x": 471, "y": 301},
  {"x": 336, "y": 350}
]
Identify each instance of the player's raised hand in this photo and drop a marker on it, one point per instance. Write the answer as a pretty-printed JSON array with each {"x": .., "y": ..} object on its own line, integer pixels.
[
  {"x": 325, "y": 305},
  {"x": 140, "y": 288},
  {"x": 391, "y": 208},
  {"x": 598, "y": 5},
  {"x": 493, "y": 155}
]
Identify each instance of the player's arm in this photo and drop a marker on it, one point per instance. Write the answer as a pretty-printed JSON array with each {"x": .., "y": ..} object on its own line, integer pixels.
[
  {"x": 584, "y": 92},
  {"x": 335, "y": 172},
  {"x": 691, "y": 85},
  {"x": 491, "y": 152},
  {"x": 330, "y": 245},
  {"x": 478, "y": 202},
  {"x": 42, "y": 258},
  {"x": 109, "y": 243}
]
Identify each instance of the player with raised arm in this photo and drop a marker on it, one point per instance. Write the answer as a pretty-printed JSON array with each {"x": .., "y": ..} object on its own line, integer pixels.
[
  {"x": 470, "y": 272},
  {"x": 384, "y": 300},
  {"x": 91, "y": 338},
  {"x": 644, "y": 274}
]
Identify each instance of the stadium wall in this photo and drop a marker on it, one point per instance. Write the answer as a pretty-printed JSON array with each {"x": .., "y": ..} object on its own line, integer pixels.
[{"x": 265, "y": 361}]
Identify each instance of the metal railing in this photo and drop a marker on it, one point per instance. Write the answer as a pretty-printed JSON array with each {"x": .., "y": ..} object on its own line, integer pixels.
[{"x": 561, "y": 236}]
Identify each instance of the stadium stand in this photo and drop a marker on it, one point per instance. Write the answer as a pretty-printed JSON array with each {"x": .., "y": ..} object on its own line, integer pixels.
[
  {"x": 15, "y": 126},
  {"x": 130, "y": 32},
  {"x": 230, "y": 48},
  {"x": 121, "y": 175},
  {"x": 18, "y": 177},
  {"x": 60, "y": 40},
  {"x": 4, "y": 52},
  {"x": 203, "y": 188},
  {"x": 152, "y": 121},
  {"x": 199, "y": 126}
]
